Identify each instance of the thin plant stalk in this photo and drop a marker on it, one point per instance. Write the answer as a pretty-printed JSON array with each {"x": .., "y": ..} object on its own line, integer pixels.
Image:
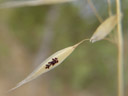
[
  {"x": 109, "y": 8},
  {"x": 110, "y": 13},
  {"x": 95, "y": 11},
  {"x": 120, "y": 50},
  {"x": 76, "y": 45}
]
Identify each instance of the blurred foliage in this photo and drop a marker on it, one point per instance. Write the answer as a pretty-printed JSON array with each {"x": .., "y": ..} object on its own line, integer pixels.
[{"x": 90, "y": 70}]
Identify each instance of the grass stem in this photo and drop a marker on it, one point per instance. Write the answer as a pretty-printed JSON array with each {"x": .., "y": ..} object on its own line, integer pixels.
[
  {"x": 120, "y": 50},
  {"x": 76, "y": 45},
  {"x": 95, "y": 11},
  {"x": 109, "y": 8}
]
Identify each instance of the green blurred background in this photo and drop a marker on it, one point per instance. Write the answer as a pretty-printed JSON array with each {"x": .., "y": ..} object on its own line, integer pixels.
[{"x": 28, "y": 35}]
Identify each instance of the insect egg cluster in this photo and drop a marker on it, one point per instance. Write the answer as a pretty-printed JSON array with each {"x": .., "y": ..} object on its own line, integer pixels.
[{"x": 52, "y": 63}]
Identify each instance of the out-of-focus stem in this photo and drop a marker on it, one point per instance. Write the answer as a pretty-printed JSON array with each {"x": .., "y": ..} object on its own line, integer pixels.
[
  {"x": 95, "y": 11},
  {"x": 120, "y": 50},
  {"x": 109, "y": 7}
]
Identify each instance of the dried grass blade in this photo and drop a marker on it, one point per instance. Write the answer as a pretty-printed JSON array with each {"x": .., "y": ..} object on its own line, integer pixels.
[
  {"x": 104, "y": 29},
  {"x": 13, "y": 4}
]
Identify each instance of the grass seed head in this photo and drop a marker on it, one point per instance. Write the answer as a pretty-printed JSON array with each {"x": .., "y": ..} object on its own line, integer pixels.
[
  {"x": 50, "y": 63},
  {"x": 104, "y": 29}
]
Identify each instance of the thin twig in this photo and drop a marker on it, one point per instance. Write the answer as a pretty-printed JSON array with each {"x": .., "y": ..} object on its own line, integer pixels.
[
  {"x": 76, "y": 45},
  {"x": 112, "y": 41},
  {"x": 120, "y": 51},
  {"x": 109, "y": 8},
  {"x": 95, "y": 11}
]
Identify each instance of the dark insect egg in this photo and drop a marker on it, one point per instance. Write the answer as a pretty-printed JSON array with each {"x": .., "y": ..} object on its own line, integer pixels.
[{"x": 47, "y": 66}]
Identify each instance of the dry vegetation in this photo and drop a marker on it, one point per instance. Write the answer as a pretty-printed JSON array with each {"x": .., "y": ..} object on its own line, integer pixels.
[{"x": 28, "y": 35}]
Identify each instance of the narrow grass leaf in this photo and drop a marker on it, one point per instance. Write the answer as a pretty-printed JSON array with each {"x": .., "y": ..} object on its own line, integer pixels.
[
  {"x": 50, "y": 63},
  {"x": 104, "y": 29},
  {"x": 11, "y": 4}
]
